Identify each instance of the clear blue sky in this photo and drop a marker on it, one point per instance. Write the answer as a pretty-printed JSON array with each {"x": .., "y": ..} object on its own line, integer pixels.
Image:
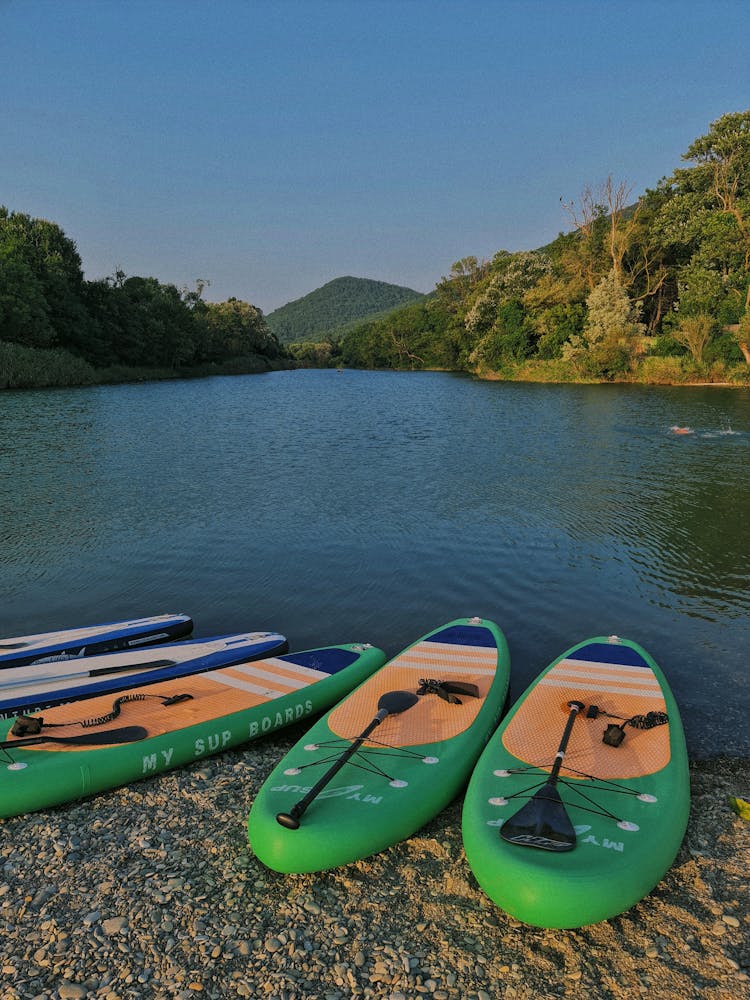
[{"x": 272, "y": 146}]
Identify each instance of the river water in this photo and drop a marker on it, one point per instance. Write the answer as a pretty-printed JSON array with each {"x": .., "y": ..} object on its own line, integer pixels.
[{"x": 374, "y": 506}]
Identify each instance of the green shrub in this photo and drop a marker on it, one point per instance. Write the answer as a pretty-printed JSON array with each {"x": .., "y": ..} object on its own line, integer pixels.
[{"x": 33, "y": 368}]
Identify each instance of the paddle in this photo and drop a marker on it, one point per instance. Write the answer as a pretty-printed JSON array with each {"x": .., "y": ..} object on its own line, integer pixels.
[
  {"x": 391, "y": 703},
  {"x": 543, "y": 821},
  {"x": 33, "y": 676},
  {"x": 125, "y": 734}
]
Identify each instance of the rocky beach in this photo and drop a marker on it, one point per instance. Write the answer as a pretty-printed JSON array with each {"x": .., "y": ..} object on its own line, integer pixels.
[{"x": 151, "y": 891}]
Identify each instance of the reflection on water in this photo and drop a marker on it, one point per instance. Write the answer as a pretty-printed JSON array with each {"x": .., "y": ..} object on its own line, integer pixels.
[{"x": 374, "y": 506}]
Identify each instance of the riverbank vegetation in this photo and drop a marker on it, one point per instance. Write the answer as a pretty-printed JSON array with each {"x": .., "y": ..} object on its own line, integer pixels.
[
  {"x": 56, "y": 328},
  {"x": 652, "y": 290},
  {"x": 655, "y": 289}
]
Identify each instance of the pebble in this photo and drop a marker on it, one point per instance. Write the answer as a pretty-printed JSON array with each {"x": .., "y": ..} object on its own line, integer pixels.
[
  {"x": 72, "y": 991},
  {"x": 114, "y": 925},
  {"x": 157, "y": 905}
]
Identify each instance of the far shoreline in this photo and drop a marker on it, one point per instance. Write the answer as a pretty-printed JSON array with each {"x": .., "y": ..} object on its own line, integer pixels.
[{"x": 263, "y": 366}]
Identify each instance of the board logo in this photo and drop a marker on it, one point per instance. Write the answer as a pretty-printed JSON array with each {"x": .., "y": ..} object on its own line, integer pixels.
[
  {"x": 612, "y": 845},
  {"x": 349, "y": 792}
]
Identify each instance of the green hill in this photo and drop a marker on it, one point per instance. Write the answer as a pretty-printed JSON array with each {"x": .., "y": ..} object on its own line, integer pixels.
[{"x": 323, "y": 313}]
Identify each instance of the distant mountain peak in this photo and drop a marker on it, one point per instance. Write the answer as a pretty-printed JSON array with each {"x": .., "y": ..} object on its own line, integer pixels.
[{"x": 341, "y": 301}]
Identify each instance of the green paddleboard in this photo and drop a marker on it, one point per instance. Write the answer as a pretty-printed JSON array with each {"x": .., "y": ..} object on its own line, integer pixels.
[
  {"x": 90, "y": 746},
  {"x": 377, "y": 790},
  {"x": 588, "y": 845}
]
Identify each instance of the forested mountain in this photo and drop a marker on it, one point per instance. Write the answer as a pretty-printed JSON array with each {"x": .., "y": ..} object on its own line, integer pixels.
[
  {"x": 655, "y": 288},
  {"x": 323, "y": 313},
  {"x": 57, "y": 328}
]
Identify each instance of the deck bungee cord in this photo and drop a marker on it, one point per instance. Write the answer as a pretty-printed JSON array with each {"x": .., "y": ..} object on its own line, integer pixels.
[
  {"x": 543, "y": 821},
  {"x": 595, "y": 808},
  {"x": 392, "y": 703},
  {"x": 446, "y": 690}
]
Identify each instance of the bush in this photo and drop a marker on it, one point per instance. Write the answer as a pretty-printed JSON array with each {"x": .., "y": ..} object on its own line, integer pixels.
[
  {"x": 667, "y": 347},
  {"x": 661, "y": 370},
  {"x": 33, "y": 368}
]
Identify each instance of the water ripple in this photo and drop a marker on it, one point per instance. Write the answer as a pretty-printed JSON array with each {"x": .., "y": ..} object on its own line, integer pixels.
[{"x": 373, "y": 505}]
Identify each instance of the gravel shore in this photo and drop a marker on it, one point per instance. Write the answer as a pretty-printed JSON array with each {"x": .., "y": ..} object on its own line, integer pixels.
[{"x": 151, "y": 891}]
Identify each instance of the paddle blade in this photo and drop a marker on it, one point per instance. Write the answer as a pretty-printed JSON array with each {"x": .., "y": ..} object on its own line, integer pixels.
[
  {"x": 543, "y": 822},
  {"x": 125, "y": 734},
  {"x": 394, "y": 702}
]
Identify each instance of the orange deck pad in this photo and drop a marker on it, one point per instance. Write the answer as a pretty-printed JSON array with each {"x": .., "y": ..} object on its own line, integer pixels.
[
  {"x": 214, "y": 694},
  {"x": 431, "y": 719},
  {"x": 534, "y": 733}
]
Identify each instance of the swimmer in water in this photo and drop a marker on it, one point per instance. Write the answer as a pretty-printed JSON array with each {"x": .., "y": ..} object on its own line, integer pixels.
[{"x": 681, "y": 430}]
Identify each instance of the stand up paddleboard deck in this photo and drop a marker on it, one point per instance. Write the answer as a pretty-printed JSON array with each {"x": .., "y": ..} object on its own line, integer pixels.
[
  {"x": 575, "y": 849},
  {"x": 87, "y": 747},
  {"x": 42, "y": 685},
  {"x": 91, "y": 640},
  {"x": 387, "y": 759}
]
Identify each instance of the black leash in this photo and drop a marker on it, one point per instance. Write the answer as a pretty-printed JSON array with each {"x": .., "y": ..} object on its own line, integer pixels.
[
  {"x": 447, "y": 690},
  {"x": 26, "y": 725}
]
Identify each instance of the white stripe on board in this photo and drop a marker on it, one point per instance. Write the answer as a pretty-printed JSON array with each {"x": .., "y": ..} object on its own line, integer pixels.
[
  {"x": 293, "y": 668},
  {"x": 305, "y": 678},
  {"x": 235, "y": 682},
  {"x": 606, "y": 676},
  {"x": 480, "y": 652},
  {"x": 620, "y": 668},
  {"x": 585, "y": 686},
  {"x": 444, "y": 666}
]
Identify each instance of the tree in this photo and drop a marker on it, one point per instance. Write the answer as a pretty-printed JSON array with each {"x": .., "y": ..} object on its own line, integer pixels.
[
  {"x": 24, "y": 315},
  {"x": 608, "y": 342},
  {"x": 742, "y": 336},
  {"x": 511, "y": 338},
  {"x": 584, "y": 261},
  {"x": 723, "y": 167},
  {"x": 235, "y": 328},
  {"x": 707, "y": 213},
  {"x": 613, "y": 236},
  {"x": 694, "y": 332},
  {"x": 512, "y": 277},
  {"x": 39, "y": 261}
]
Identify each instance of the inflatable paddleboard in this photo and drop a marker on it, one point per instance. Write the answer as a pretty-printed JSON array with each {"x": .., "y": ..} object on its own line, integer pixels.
[
  {"x": 90, "y": 746},
  {"x": 33, "y": 687},
  {"x": 92, "y": 639},
  {"x": 388, "y": 758},
  {"x": 580, "y": 801}
]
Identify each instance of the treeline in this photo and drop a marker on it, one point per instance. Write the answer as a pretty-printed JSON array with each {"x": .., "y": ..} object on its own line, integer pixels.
[
  {"x": 656, "y": 290},
  {"x": 50, "y": 313}
]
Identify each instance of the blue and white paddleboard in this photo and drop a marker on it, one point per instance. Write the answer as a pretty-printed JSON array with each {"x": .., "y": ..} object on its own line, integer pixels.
[
  {"x": 91, "y": 640},
  {"x": 38, "y": 686}
]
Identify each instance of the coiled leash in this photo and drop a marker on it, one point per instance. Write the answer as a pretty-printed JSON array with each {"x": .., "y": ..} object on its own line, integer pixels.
[
  {"x": 614, "y": 734},
  {"x": 26, "y": 725},
  {"x": 447, "y": 690}
]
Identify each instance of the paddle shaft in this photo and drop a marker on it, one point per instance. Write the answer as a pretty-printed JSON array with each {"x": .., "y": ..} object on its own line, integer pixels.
[
  {"x": 299, "y": 808},
  {"x": 32, "y": 679},
  {"x": 575, "y": 708}
]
